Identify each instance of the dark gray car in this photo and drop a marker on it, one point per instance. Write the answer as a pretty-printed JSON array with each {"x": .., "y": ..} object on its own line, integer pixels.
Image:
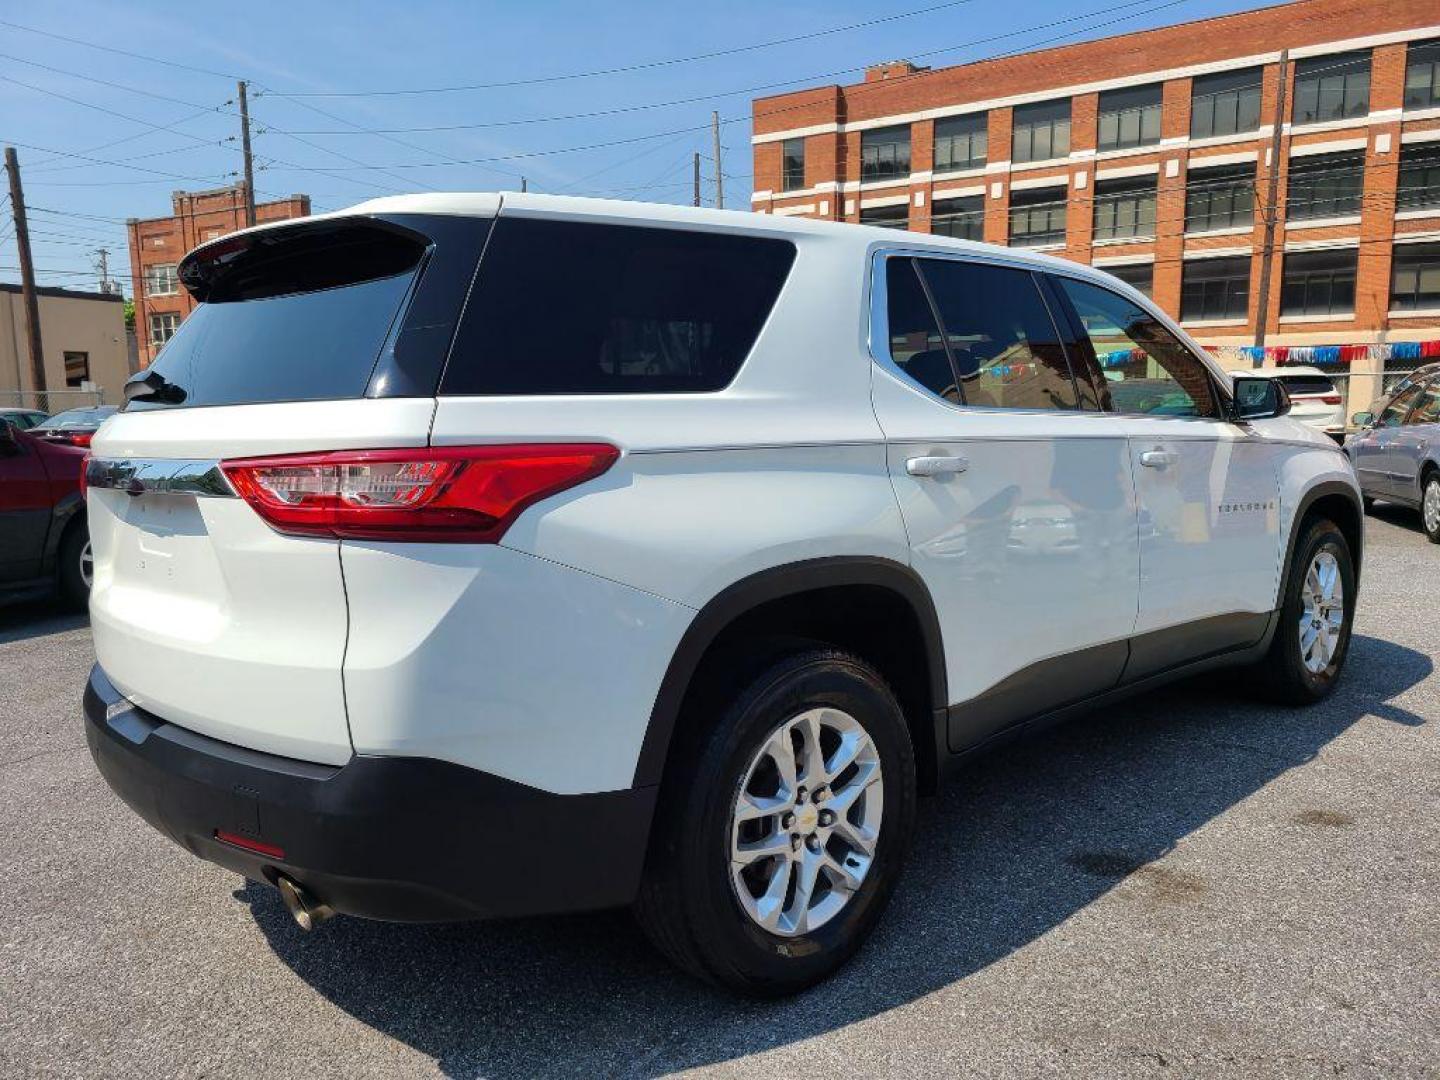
[{"x": 1397, "y": 453}]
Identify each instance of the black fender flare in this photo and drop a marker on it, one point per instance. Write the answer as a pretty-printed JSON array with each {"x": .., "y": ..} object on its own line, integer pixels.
[
  {"x": 1322, "y": 490},
  {"x": 763, "y": 587}
]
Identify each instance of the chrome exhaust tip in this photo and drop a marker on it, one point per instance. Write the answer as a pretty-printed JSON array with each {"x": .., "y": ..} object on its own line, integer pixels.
[{"x": 307, "y": 912}]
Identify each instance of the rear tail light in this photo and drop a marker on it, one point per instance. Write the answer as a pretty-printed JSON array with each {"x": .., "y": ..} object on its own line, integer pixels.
[
  {"x": 456, "y": 494},
  {"x": 1331, "y": 399},
  {"x": 84, "y": 478},
  {"x": 80, "y": 438}
]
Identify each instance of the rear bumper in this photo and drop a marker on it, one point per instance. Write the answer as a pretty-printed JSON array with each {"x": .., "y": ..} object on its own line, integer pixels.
[{"x": 410, "y": 839}]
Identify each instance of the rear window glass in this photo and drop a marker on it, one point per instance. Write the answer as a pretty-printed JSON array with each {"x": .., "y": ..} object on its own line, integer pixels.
[
  {"x": 571, "y": 308},
  {"x": 301, "y": 315},
  {"x": 1307, "y": 384}
]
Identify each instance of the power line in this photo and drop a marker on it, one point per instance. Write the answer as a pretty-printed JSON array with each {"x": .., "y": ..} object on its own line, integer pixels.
[
  {"x": 120, "y": 52},
  {"x": 626, "y": 68},
  {"x": 743, "y": 91}
]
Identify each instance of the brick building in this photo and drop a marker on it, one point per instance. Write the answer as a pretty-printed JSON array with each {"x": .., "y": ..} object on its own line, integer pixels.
[
  {"x": 1154, "y": 155},
  {"x": 157, "y": 245}
]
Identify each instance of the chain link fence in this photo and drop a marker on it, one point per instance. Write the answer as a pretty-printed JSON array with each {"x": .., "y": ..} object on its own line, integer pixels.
[{"x": 50, "y": 401}]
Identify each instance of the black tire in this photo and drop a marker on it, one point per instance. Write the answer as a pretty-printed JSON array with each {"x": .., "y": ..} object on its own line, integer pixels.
[
  {"x": 689, "y": 906},
  {"x": 1367, "y": 503},
  {"x": 1282, "y": 674},
  {"x": 74, "y": 591},
  {"x": 1430, "y": 481}
]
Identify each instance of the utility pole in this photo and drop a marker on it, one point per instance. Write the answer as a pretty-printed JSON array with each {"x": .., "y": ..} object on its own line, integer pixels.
[
  {"x": 27, "y": 269},
  {"x": 1267, "y": 254},
  {"x": 245, "y": 148},
  {"x": 104, "y": 254},
  {"x": 695, "y": 198},
  {"x": 719, "y": 169}
]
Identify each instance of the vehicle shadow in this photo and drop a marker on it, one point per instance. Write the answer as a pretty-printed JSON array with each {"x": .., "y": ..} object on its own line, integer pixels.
[
  {"x": 36, "y": 619},
  {"x": 1400, "y": 516},
  {"x": 1021, "y": 841}
]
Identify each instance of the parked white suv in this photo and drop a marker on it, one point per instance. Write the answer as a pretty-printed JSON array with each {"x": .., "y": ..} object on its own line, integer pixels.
[
  {"x": 1314, "y": 397},
  {"x": 468, "y": 555}
]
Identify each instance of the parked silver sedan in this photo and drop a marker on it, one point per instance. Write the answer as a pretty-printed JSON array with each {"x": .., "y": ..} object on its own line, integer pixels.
[{"x": 1397, "y": 453}]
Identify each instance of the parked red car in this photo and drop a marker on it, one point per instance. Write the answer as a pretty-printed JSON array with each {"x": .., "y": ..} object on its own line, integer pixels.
[{"x": 44, "y": 538}]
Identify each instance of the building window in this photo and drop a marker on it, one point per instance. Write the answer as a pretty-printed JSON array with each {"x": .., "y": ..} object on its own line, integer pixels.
[
  {"x": 1041, "y": 131},
  {"x": 1215, "y": 289},
  {"x": 1227, "y": 103},
  {"x": 1125, "y": 209},
  {"x": 885, "y": 154},
  {"x": 961, "y": 142},
  {"x": 77, "y": 369},
  {"x": 1037, "y": 216},
  {"x": 886, "y": 217},
  {"x": 792, "y": 164},
  {"x": 1325, "y": 186},
  {"x": 1139, "y": 276},
  {"x": 161, "y": 280},
  {"x": 1130, "y": 117},
  {"x": 1422, "y": 75},
  {"x": 1419, "y": 187},
  {"x": 1319, "y": 282},
  {"x": 1415, "y": 278},
  {"x": 1333, "y": 87},
  {"x": 963, "y": 218},
  {"x": 1220, "y": 198},
  {"x": 163, "y": 326}
]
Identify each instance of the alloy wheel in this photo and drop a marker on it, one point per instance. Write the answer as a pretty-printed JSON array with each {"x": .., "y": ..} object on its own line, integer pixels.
[
  {"x": 805, "y": 822},
  {"x": 1430, "y": 507},
  {"x": 87, "y": 565},
  {"x": 1322, "y": 598}
]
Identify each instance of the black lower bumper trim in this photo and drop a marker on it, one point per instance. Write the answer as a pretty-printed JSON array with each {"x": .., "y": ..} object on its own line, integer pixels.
[{"x": 410, "y": 839}]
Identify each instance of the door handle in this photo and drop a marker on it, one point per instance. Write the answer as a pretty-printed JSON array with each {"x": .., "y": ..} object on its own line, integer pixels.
[
  {"x": 1158, "y": 459},
  {"x": 936, "y": 466}
]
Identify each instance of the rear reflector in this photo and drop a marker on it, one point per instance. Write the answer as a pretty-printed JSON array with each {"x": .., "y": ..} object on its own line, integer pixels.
[
  {"x": 454, "y": 494},
  {"x": 84, "y": 478},
  {"x": 260, "y": 848}
]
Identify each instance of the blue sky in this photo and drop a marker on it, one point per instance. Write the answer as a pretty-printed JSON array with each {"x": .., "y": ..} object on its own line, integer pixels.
[{"x": 299, "y": 48}]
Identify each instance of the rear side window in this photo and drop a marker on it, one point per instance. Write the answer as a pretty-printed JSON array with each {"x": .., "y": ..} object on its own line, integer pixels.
[
  {"x": 915, "y": 343},
  {"x": 569, "y": 308},
  {"x": 1006, "y": 350},
  {"x": 294, "y": 315}
]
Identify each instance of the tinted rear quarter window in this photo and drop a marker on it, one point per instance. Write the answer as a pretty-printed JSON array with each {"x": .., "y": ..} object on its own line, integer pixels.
[{"x": 564, "y": 307}]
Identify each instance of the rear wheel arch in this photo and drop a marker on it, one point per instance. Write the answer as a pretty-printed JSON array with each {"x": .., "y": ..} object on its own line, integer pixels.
[{"x": 874, "y": 607}]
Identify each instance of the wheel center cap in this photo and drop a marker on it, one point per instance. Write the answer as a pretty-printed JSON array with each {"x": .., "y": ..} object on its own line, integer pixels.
[{"x": 806, "y": 818}]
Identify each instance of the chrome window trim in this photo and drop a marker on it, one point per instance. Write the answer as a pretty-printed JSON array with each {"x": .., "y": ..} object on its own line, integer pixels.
[{"x": 159, "y": 476}]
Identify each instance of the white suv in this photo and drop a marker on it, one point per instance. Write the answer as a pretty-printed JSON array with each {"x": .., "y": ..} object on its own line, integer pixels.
[
  {"x": 1314, "y": 398},
  {"x": 469, "y": 556}
]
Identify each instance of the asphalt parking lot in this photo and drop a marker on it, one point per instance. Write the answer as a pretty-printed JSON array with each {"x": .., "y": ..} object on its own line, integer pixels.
[{"x": 1187, "y": 885}]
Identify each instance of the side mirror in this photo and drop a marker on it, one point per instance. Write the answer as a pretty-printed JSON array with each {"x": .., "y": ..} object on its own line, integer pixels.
[
  {"x": 1258, "y": 398},
  {"x": 1363, "y": 419}
]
